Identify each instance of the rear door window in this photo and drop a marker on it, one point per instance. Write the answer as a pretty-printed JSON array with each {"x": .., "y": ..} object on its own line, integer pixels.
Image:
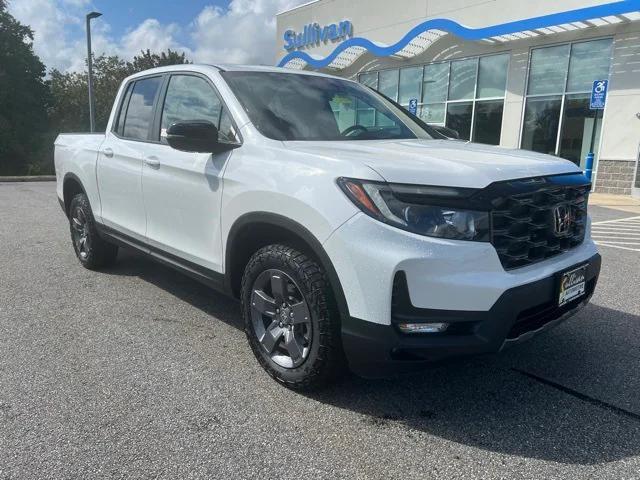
[
  {"x": 139, "y": 113},
  {"x": 119, "y": 126}
]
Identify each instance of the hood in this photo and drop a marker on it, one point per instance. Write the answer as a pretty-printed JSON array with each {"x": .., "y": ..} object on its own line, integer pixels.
[{"x": 439, "y": 162}]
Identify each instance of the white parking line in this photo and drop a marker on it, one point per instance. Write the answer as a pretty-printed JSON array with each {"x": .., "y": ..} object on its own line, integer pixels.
[
  {"x": 633, "y": 219},
  {"x": 623, "y": 233}
]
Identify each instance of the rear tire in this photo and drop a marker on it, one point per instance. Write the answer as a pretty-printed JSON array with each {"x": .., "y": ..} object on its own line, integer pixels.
[
  {"x": 92, "y": 251},
  {"x": 290, "y": 319}
]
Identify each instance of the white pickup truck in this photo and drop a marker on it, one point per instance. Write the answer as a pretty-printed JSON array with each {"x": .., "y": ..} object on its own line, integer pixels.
[{"x": 353, "y": 234}]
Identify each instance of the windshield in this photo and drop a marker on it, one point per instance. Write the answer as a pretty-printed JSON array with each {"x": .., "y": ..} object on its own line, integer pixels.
[{"x": 287, "y": 106}]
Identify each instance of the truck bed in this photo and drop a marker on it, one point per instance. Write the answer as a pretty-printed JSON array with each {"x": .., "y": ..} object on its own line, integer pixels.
[{"x": 76, "y": 154}]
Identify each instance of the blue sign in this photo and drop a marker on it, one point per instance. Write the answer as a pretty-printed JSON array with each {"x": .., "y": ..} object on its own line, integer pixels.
[
  {"x": 313, "y": 35},
  {"x": 599, "y": 94},
  {"x": 413, "y": 106}
]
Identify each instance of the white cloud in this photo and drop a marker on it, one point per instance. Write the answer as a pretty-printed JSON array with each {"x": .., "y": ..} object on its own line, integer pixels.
[
  {"x": 152, "y": 35},
  {"x": 245, "y": 33},
  {"x": 242, "y": 33},
  {"x": 49, "y": 24},
  {"x": 77, "y": 3}
]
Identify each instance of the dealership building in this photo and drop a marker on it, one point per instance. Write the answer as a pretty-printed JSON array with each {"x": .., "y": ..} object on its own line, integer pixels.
[{"x": 514, "y": 73}]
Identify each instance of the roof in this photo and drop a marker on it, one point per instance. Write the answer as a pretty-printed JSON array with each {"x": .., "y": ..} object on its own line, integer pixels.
[
  {"x": 208, "y": 68},
  {"x": 296, "y": 7},
  {"x": 264, "y": 68}
]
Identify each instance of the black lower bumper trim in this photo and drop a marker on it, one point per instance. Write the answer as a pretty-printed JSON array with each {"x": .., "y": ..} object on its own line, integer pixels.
[{"x": 376, "y": 350}]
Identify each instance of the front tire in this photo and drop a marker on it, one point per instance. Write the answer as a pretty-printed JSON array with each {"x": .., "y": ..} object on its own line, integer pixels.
[
  {"x": 92, "y": 251},
  {"x": 290, "y": 321}
]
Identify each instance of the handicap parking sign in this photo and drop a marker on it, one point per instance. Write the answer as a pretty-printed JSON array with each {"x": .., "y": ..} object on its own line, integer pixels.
[
  {"x": 413, "y": 106},
  {"x": 599, "y": 94}
]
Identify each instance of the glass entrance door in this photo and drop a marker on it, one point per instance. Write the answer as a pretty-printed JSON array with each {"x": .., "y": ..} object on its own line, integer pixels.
[{"x": 580, "y": 128}]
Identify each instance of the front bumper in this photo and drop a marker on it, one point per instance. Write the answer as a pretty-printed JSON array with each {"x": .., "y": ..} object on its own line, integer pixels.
[{"x": 375, "y": 350}]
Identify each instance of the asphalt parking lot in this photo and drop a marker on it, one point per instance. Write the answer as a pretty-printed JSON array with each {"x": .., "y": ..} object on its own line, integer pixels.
[{"x": 140, "y": 372}]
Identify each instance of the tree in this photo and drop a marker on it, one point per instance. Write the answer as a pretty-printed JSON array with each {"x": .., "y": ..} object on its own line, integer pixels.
[
  {"x": 70, "y": 106},
  {"x": 24, "y": 98},
  {"x": 147, "y": 60}
]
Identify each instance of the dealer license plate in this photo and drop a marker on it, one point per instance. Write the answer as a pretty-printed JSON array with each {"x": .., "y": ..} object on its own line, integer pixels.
[{"x": 572, "y": 285}]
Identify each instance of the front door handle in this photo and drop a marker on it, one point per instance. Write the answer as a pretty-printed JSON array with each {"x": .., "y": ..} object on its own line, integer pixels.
[
  {"x": 108, "y": 152},
  {"x": 152, "y": 162}
]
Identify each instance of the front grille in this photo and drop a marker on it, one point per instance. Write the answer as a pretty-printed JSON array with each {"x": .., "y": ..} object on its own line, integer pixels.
[{"x": 523, "y": 225}]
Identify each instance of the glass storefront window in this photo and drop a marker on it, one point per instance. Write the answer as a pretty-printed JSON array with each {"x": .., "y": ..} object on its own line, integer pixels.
[
  {"x": 463, "y": 79},
  {"x": 366, "y": 117},
  {"x": 410, "y": 79},
  {"x": 492, "y": 76},
  {"x": 540, "y": 127},
  {"x": 369, "y": 79},
  {"x": 548, "y": 70},
  {"x": 432, "y": 113},
  {"x": 344, "y": 111},
  {"x": 435, "y": 83},
  {"x": 589, "y": 61},
  {"x": 488, "y": 122},
  {"x": 451, "y": 93},
  {"x": 388, "y": 83},
  {"x": 459, "y": 116},
  {"x": 568, "y": 72}
]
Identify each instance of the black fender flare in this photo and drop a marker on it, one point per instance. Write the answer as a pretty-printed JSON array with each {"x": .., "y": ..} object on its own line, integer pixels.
[
  {"x": 65, "y": 201},
  {"x": 298, "y": 230}
]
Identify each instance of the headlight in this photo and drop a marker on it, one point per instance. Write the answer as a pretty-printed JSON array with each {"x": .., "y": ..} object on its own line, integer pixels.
[{"x": 419, "y": 209}]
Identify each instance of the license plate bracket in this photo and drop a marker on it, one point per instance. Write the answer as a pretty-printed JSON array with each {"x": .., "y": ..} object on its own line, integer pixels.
[{"x": 572, "y": 284}]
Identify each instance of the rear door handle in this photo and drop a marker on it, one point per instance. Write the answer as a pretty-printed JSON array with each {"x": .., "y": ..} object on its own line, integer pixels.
[
  {"x": 108, "y": 152},
  {"x": 152, "y": 162}
]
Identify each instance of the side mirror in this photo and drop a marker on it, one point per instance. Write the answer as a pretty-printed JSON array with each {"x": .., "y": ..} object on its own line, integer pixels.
[
  {"x": 196, "y": 136},
  {"x": 446, "y": 131}
]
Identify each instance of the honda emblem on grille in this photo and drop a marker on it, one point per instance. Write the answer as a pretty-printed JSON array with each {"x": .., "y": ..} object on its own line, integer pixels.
[{"x": 561, "y": 220}]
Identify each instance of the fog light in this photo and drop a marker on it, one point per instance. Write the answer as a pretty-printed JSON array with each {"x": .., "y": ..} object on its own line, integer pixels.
[{"x": 422, "y": 327}]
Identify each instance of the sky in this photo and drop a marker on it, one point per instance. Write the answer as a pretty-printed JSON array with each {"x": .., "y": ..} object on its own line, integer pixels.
[{"x": 208, "y": 31}]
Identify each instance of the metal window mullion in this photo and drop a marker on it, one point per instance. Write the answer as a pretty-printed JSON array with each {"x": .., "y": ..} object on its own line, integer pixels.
[
  {"x": 398, "y": 86},
  {"x": 420, "y": 91},
  {"x": 525, "y": 98},
  {"x": 564, "y": 98},
  {"x": 566, "y": 73},
  {"x": 446, "y": 98},
  {"x": 538, "y": 95},
  {"x": 473, "y": 103},
  {"x": 375, "y": 112},
  {"x": 560, "y": 124}
]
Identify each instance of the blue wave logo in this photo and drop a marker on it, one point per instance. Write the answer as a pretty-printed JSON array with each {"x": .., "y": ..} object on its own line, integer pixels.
[{"x": 450, "y": 26}]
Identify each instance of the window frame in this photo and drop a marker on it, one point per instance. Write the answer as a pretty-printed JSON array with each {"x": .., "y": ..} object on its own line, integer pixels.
[
  {"x": 157, "y": 120},
  {"x": 563, "y": 95},
  {"x": 162, "y": 103},
  {"x": 447, "y": 101},
  {"x": 127, "y": 97}
]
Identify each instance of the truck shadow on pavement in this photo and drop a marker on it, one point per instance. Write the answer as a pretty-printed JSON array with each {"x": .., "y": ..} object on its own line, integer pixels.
[
  {"x": 588, "y": 412},
  {"x": 569, "y": 396}
]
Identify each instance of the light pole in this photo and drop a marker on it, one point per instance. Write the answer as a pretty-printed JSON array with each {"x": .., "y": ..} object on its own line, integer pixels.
[{"x": 92, "y": 120}]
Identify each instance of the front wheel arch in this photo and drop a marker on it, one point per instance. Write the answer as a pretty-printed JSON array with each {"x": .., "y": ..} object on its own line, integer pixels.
[{"x": 253, "y": 231}]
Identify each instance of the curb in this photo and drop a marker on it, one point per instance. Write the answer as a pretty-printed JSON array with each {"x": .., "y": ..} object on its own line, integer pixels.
[{"x": 34, "y": 178}]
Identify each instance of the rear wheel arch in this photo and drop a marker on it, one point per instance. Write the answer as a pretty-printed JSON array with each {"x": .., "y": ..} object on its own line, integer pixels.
[
  {"x": 71, "y": 186},
  {"x": 253, "y": 231}
]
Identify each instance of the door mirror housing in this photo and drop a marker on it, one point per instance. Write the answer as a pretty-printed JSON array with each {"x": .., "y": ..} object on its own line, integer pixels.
[
  {"x": 446, "y": 131},
  {"x": 196, "y": 136}
]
